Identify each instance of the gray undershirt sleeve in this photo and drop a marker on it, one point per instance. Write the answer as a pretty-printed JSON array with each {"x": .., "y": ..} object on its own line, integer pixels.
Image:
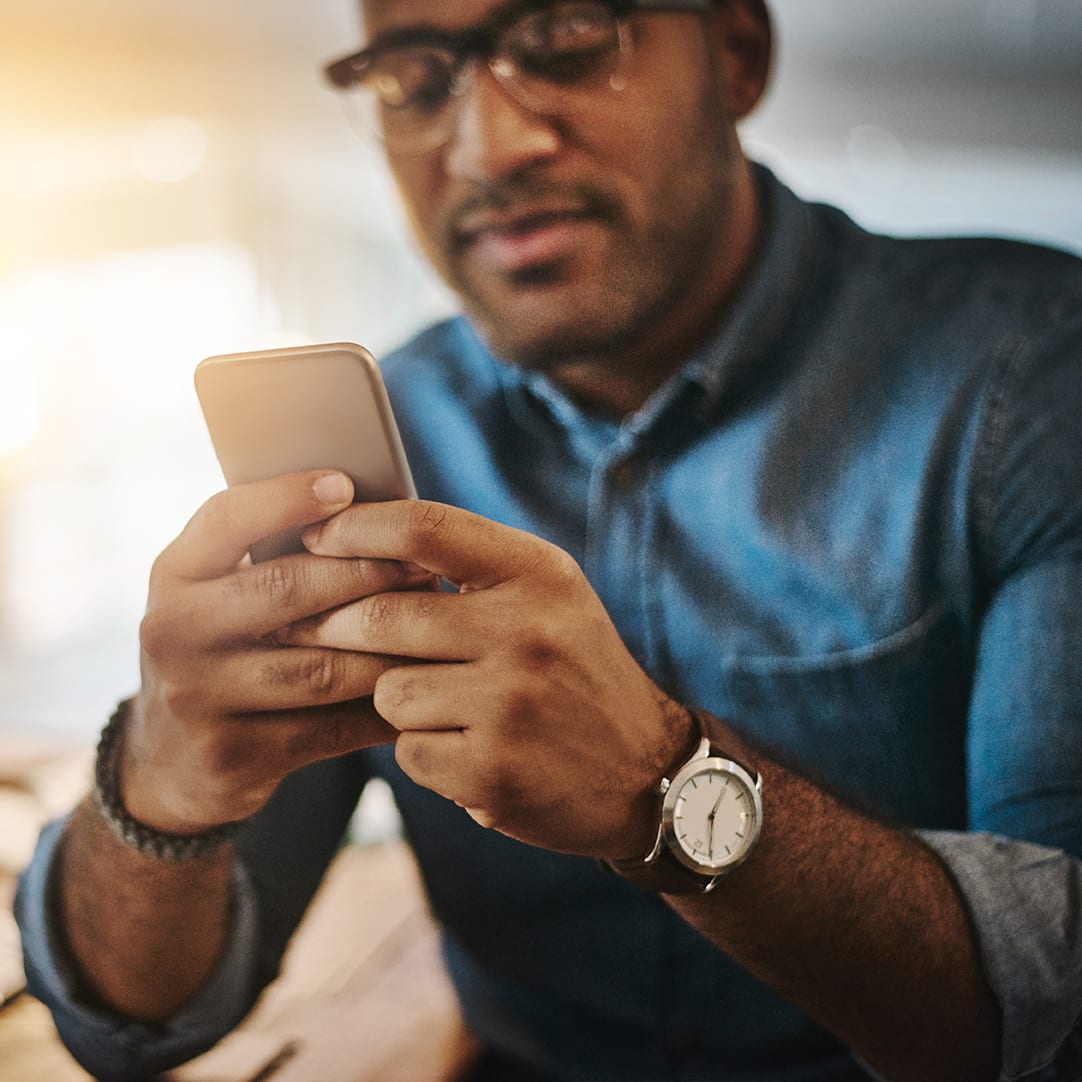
[{"x": 1025, "y": 901}]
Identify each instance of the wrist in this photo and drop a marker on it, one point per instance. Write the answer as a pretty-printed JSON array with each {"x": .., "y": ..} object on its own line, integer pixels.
[
  {"x": 154, "y": 775},
  {"x": 681, "y": 735},
  {"x": 172, "y": 843}
]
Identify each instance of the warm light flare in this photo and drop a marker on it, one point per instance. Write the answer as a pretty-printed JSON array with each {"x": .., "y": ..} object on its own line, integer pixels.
[
  {"x": 170, "y": 149},
  {"x": 20, "y": 412}
]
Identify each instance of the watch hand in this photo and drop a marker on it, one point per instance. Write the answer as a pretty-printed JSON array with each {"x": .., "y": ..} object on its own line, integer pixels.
[{"x": 710, "y": 821}]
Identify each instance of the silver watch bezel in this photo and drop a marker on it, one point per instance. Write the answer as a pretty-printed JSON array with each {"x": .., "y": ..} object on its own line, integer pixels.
[{"x": 693, "y": 767}]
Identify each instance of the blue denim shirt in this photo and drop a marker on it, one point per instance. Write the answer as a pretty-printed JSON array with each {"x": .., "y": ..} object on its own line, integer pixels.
[{"x": 851, "y": 523}]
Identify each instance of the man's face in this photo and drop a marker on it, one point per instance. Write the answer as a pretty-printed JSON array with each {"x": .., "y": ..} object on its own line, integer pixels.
[{"x": 570, "y": 237}]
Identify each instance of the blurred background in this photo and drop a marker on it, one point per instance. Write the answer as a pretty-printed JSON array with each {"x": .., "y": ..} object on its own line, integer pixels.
[{"x": 175, "y": 182}]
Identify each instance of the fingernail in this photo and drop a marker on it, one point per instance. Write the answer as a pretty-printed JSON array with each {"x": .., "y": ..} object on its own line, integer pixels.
[{"x": 333, "y": 488}]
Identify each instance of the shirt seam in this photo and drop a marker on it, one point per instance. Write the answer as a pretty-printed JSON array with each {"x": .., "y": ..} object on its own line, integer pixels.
[{"x": 1012, "y": 356}]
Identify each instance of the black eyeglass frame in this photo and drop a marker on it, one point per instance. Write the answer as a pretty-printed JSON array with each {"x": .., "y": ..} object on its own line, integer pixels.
[{"x": 480, "y": 41}]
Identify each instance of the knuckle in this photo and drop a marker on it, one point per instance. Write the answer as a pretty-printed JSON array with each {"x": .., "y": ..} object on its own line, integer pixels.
[
  {"x": 538, "y": 650},
  {"x": 216, "y": 514},
  {"x": 151, "y": 632},
  {"x": 322, "y": 673},
  {"x": 538, "y": 653},
  {"x": 411, "y": 754},
  {"x": 516, "y": 703},
  {"x": 157, "y": 632},
  {"x": 484, "y": 818},
  {"x": 274, "y": 582},
  {"x": 426, "y": 521},
  {"x": 492, "y": 803},
  {"x": 318, "y": 672},
  {"x": 503, "y": 788},
  {"x": 359, "y": 574},
  {"x": 393, "y": 690},
  {"x": 564, "y": 570},
  {"x": 378, "y": 612},
  {"x": 172, "y": 697},
  {"x": 159, "y": 569}
]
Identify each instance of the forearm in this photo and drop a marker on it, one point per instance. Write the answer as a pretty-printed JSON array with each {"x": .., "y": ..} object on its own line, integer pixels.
[
  {"x": 145, "y": 934},
  {"x": 861, "y": 927}
]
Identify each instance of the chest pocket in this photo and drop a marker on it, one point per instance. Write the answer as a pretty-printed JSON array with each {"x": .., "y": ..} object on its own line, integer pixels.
[{"x": 883, "y": 725}]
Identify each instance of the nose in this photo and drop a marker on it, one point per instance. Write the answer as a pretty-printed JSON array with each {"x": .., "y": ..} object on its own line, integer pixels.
[{"x": 495, "y": 135}]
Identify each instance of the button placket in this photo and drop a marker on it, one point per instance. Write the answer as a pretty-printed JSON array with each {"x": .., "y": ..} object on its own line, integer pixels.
[{"x": 618, "y": 529}]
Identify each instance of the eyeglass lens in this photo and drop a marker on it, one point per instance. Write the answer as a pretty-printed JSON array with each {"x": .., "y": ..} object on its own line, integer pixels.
[{"x": 555, "y": 59}]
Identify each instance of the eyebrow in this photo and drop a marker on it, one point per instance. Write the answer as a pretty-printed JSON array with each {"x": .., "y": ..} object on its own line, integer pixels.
[{"x": 427, "y": 33}]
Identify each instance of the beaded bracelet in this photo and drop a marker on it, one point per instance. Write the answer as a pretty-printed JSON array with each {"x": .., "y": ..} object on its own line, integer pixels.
[{"x": 136, "y": 835}]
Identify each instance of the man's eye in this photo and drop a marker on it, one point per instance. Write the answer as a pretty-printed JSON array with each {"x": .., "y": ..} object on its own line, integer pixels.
[
  {"x": 565, "y": 43},
  {"x": 563, "y": 29},
  {"x": 579, "y": 30},
  {"x": 413, "y": 79}
]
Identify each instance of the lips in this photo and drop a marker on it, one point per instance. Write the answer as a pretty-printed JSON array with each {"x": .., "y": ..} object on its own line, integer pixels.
[{"x": 510, "y": 242}]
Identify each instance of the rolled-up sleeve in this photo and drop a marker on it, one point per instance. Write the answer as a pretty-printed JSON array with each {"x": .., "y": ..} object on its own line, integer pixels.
[
  {"x": 1025, "y": 902},
  {"x": 1020, "y": 870},
  {"x": 111, "y": 1047},
  {"x": 282, "y": 854}
]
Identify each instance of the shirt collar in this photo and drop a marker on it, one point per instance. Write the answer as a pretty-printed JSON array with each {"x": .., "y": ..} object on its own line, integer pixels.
[{"x": 763, "y": 302}]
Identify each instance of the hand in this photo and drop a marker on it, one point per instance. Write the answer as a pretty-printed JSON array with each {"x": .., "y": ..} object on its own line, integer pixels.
[
  {"x": 530, "y": 712},
  {"x": 226, "y": 710}
]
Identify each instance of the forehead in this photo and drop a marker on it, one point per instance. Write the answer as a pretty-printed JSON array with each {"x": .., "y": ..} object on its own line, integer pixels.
[{"x": 383, "y": 15}]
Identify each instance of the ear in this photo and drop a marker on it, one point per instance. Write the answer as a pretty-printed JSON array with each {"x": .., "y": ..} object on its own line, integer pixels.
[{"x": 743, "y": 43}]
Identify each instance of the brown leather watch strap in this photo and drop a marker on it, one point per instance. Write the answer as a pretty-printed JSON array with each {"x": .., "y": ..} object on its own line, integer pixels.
[{"x": 665, "y": 875}]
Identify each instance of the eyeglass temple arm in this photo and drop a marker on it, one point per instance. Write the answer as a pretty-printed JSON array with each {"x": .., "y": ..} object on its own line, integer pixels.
[{"x": 342, "y": 72}]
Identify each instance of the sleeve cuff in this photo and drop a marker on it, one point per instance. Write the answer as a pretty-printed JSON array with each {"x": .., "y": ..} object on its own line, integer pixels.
[
  {"x": 109, "y": 1046},
  {"x": 1025, "y": 902}
]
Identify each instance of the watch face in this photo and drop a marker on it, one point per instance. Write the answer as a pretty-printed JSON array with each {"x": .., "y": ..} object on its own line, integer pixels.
[{"x": 712, "y": 815}]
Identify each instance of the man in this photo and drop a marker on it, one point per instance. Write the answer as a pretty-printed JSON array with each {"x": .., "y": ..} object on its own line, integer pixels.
[{"x": 700, "y": 452}]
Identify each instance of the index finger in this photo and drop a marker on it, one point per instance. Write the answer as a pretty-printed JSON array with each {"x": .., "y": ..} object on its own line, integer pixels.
[
  {"x": 219, "y": 534},
  {"x": 467, "y": 549}
]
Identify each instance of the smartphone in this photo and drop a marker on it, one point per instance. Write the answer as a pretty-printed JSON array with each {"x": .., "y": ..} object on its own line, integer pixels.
[{"x": 307, "y": 408}]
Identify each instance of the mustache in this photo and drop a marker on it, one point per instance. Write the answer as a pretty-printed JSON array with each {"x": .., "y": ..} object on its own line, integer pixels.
[{"x": 496, "y": 204}]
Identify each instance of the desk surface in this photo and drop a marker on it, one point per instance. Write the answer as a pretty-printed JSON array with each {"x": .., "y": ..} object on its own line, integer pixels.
[{"x": 363, "y": 996}]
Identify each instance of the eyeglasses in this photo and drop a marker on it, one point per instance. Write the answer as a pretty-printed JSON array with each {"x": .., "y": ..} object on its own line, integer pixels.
[{"x": 555, "y": 57}]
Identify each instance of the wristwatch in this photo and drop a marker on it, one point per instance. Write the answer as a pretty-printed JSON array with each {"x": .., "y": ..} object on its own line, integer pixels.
[{"x": 711, "y": 815}]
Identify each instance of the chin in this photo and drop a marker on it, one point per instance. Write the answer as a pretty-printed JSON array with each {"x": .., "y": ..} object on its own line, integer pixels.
[
  {"x": 541, "y": 346},
  {"x": 539, "y": 328}
]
